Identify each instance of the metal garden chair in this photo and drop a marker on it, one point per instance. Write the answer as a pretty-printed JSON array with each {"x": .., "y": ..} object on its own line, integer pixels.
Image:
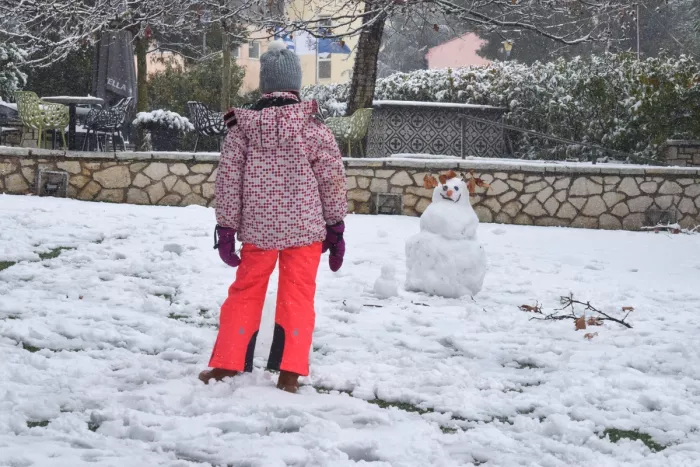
[
  {"x": 109, "y": 121},
  {"x": 351, "y": 130},
  {"x": 206, "y": 122},
  {"x": 39, "y": 115}
]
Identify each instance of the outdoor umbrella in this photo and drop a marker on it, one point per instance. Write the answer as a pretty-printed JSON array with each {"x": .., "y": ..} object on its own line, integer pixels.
[{"x": 114, "y": 71}]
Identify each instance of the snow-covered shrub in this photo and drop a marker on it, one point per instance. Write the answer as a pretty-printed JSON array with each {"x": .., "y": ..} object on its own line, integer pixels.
[
  {"x": 163, "y": 120},
  {"x": 613, "y": 100},
  {"x": 166, "y": 128},
  {"x": 332, "y": 98},
  {"x": 11, "y": 78}
]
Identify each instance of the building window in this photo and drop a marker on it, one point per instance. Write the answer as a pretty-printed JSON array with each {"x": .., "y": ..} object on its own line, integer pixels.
[
  {"x": 236, "y": 52},
  {"x": 324, "y": 68},
  {"x": 323, "y": 64},
  {"x": 254, "y": 50}
]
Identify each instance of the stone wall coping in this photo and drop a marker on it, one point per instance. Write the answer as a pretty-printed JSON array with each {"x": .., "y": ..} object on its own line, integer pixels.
[
  {"x": 501, "y": 165},
  {"x": 683, "y": 142},
  {"x": 535, "y": 167},
  {"x": 9, "y": 151},
  {"x": 434, "y": 105}
]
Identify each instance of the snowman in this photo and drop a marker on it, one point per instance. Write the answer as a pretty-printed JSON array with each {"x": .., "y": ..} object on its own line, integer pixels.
[{"x": 445, "y": 258}]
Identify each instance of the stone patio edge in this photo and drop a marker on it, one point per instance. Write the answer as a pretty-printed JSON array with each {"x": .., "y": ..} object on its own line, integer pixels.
[{"x": 538, "y": 167}]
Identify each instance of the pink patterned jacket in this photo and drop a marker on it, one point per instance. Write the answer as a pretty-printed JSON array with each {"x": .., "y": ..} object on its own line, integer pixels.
[{"x": 281, "y": 178}]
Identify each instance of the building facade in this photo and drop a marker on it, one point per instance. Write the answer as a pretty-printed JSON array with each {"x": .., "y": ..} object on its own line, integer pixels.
[
  {"x": 458, "y": 52},
  {"x": 318, "y": 66}
]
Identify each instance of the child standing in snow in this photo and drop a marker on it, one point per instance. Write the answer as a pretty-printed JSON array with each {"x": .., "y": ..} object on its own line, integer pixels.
[{"x": 281, "y": 187}]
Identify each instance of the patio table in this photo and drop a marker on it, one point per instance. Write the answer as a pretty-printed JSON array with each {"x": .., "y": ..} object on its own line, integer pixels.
[{"x": 72, "y": 102}]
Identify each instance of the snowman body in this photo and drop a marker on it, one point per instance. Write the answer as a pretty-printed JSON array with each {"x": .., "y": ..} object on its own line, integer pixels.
[{"x": 445, "y": 258}]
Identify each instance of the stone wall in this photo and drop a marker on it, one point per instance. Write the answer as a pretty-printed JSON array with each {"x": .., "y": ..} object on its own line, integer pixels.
[
  {"x": 681, "y": 153},
  {"x": 538, "y": 193},
  {"x": 136, "y": 178},
  {"x": 521, "y": 192}
]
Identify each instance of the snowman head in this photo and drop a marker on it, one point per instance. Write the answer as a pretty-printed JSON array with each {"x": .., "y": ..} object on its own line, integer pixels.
[{"x": 449, "y": 188}]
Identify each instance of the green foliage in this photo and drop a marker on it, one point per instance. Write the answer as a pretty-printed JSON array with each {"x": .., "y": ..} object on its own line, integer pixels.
[
  {"x": 70, "y": 77},
  {"x": 171, "y": 88},
  {"x": 614, "y": 101},
  {"x": 55, "y": 253},
  {"x": 616, "y": 435},
  {"x": 39, "y": 424}
]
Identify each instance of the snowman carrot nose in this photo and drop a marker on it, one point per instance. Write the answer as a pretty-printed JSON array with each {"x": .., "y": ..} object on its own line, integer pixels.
[{"x": 449, "y": 193}]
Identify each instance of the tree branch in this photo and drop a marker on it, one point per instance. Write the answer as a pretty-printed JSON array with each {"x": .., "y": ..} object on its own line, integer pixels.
[{"x": 569, "y": 303}]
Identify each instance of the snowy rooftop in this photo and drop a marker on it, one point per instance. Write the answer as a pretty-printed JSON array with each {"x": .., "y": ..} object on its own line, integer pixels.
[{"x": 102, "y": 341}]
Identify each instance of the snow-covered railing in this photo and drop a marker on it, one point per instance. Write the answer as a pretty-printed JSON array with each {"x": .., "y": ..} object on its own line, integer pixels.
[{"x": 436, "y": 128}]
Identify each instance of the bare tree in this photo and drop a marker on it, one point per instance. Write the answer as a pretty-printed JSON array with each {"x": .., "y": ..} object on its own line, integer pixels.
[{"x": 50, "y": 30}]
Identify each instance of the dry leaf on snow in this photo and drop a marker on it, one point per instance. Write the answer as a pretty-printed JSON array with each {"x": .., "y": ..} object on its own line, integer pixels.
[
  {"x": 628, "y": 308},
  {"x": 594, "y": 321},
  {"x": 590, "y": 336},
  {"x": 581, "y": 323},
  {"x": 531, "y": 309}
]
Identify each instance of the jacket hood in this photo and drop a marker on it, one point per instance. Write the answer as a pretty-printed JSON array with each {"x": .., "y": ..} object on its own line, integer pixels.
[{"x": 268, "y": 127}]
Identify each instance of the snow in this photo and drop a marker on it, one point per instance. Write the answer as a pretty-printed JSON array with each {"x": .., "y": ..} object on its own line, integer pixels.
[
  {"x": 103, "y": 344},
  {"x": 445, "y": 257},
  {"x": 386, "y": 285},
  {"x": 8, "y": 105},
  {"x": 439, "y": 105},
  {"x": 423, "y": 156},
  {"x": 505, "y": 163},
  {"x": 165, "y": 118}
]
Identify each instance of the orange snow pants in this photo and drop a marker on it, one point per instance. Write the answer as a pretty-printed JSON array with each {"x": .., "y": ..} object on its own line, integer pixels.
[{"x": 294, "y": 319}]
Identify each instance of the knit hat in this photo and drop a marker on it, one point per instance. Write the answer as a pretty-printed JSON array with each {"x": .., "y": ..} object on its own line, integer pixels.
[{"x": 280, "y": 69}]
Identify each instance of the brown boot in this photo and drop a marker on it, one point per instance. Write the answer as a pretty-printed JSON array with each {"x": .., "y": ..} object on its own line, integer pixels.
[
  {"x": 216, "y": 373},
  {"x": 288, "y": 382}
]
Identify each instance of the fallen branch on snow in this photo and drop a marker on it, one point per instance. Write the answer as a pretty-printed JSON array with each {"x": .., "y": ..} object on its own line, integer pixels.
[
  {"x": 569, "y": 304},
  {"x": 673, "y": 228}
]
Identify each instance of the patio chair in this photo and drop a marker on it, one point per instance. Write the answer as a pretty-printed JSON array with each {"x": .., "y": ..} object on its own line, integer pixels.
[
  {"x": 39, "y": 115},
  {"x": 109, "y": 121},
  {"x": 351, "y": 129},
  {"x": 206, "y": 122}
]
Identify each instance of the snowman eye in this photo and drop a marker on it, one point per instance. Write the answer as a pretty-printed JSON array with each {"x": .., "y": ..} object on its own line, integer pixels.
[
  {"x": 456, "y": 188},
  {"x": 444, "y": 188}
]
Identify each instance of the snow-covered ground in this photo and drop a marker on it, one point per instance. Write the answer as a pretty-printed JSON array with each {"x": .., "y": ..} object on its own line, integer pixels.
[{"x": 101, "y": 346}]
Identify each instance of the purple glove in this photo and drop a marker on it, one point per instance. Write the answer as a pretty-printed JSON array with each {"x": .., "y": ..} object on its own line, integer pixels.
[
  {"x": 335, "y": 242},
  {"x": 225, "y": 242}
]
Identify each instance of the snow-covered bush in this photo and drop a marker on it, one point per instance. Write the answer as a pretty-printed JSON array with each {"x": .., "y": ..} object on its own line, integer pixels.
[
  {"x": 163, "y": 120},
  {"x": 613, "y": 100},
  {"x": 11, "y": 78},
  {"x": 332, "y": 98}
]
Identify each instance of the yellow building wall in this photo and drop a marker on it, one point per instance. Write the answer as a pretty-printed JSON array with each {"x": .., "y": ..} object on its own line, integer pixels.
[
  {"x": 341, "y": 64},
  {"x": 251, "y": 80}
]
